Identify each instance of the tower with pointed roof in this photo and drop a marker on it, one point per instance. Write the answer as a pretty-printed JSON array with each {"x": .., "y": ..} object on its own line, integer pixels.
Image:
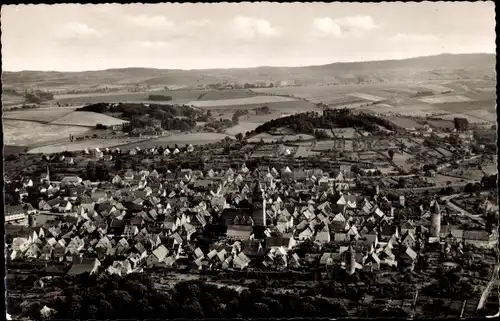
[
  {"x": 351, "y": 260},
  {"x": 259, "y": 203},
  {"x": 435, "y": 219}
]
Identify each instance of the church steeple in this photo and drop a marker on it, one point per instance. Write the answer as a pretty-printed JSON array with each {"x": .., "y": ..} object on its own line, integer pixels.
[{"x": 259, "y": 203}]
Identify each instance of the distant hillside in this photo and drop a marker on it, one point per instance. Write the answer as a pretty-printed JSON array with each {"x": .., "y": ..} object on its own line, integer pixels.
[{"x": 445, "y": 66}]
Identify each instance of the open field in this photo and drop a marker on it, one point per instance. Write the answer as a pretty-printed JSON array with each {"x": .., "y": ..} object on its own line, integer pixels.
[
  {"x": 127, "y": 97},
  {"x": 81, "y": 145},
  {"x": 242, "y": 127},
  {"x": 239, "y": 101},
  {"x": 347, "y": 132},
  {"x": 435, "y": 88},
  {"x": 180, "y": 140},
  {"x": 404, "y": 122},
  {"x": 268, "y": 138},
  {"x": 226, "y": 94},
  {"x": 25, "y": 133},
  {"x": 445, "y": 99},
  {"x": 367, "y": 97},
  {"x": 39, "y": 114},
  {"x": 86, "y": 118},
  {"x": 14, "y": 150},
  {"x": 470, "y": 118},
  {"x": 10, "y": 100},
  {"x": 458, "y": 107}
]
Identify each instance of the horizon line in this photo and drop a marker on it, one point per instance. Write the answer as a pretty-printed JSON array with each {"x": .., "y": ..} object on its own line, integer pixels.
[{"x": 254, "y": 67}]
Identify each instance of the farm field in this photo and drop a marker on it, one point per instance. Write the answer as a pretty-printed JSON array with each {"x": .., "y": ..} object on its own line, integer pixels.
[
  {"x": 400, "y": 159},
  {"x": 239, "y": 101},
  {"x": 226, "y": 94},
  {"x": 404, "y": 122},
  {"x": 348, "y": 132},
  {"x": 470, "y": 118},
  {"x": 366, "y": 97},
  {"x": 86, "y": 118},
  {"x": 81, "y": 145},
  {"x": 445, "y": 99},
  {"x": 458, "y": 107},
  {"x": 39, "y": 114},
  {"x": 126, "y": 97},
  {"x": 441, "y": 124},
  {"x": 180, "y": 140},
  {"x": 242, "y": 127},
  {"x": 11, "y": 100},
  {"x": 435, "y": 88},
  {"x": 268, "y": 138},
  {"x": 26, "y": 133}
]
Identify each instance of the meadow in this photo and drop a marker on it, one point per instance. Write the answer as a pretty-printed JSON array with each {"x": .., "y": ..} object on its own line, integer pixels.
[
  {"x": 226, "y": 94},
  {"x": 240, "y": 101},
  {"x": 94, "y": 98},
  {"x": 26, "y": 133},
  {"x": 81, "y": 145},
  {"x": 39, "y": 114},
  {"x": 89, "y": 119}
]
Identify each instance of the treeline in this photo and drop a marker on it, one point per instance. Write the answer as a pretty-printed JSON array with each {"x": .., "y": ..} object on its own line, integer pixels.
[
  {"x": 307, "y": 122},
  {"x": 264, "y": 110},
  {"x": 159, "y": 97},
  {"x": 168, "y": 117},
  {"x": 338, "y": 118},
  {"x": 38, "y": 96},
  {"x": 136, "y": 297}
]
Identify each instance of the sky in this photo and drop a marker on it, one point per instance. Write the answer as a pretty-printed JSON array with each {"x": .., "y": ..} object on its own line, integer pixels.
[{"x": 72, "y": 37}]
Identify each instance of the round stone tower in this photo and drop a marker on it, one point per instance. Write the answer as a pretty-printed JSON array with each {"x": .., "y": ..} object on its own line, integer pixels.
[{"x": 435, "y": 220}]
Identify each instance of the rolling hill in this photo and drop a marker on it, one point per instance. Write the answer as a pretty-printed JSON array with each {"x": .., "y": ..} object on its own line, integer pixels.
[
  {"x": 86, "y": 118},
  {"x": 445, "y": 66}
]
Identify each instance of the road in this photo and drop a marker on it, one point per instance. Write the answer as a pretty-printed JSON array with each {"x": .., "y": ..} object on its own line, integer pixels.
[{"x": 473, "y": 217}]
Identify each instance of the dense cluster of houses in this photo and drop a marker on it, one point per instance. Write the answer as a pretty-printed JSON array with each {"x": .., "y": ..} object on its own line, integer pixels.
[{"x": 143, "y": 220}]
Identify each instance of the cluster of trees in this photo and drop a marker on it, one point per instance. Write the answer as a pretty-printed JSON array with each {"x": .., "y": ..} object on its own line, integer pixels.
[
  {"x": 169, "y": 117},
  {"x": 135, "y": 297},
  {"x": 38, "y": 96},
  {"x": 321, "y": 134},
  {"x": 237, "y": 114},
  {"x": 264, "y": 110},
  {"x": 461, "y": 124},
  {"x": 97, "y": 172},
  {"x": 451, "y": 285},
  {"x": 337, "y": 118},
  {"x": 159, "y": 97},
  {"x": 219, "y": 125},
  {"x": 101, "y": 126}
]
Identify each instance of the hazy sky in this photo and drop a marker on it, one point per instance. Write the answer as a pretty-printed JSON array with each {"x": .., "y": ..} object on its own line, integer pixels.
[{"x": 191, "y": 36}]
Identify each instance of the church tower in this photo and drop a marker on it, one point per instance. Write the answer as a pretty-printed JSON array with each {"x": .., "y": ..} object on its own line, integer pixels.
[
  {"x": 435, "y": 219},
  {"x": 259, "y": 203},
  {"x": 351, "y": 260}
]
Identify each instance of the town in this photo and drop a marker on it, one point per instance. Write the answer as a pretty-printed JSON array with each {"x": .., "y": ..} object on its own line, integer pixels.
[
  {"x": 250, "y": 161},
  {"x": 240, "y": 211}
]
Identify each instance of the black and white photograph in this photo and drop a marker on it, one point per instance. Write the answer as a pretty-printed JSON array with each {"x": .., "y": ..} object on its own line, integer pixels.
[{"x": 250, "y": 161}]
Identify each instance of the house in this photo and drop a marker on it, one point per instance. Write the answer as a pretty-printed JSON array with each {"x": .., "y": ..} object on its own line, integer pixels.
[
  {"x": 480, "y": 238},
  {"x": 85, "y": 265},
  {"x": 64, "y": 207},
  {"x": 323, "y": 235},
  {"x": 158, "y": 255},
  {"x": 71, "y": 180}
]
